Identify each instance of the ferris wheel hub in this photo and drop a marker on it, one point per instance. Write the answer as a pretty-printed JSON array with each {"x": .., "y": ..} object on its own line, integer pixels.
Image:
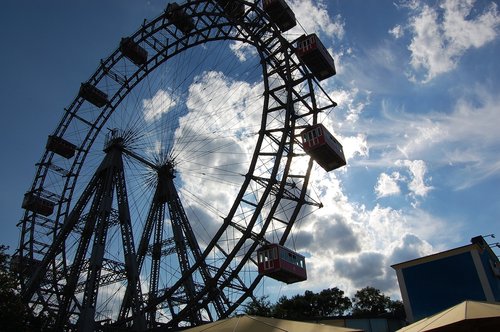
[
  {"x": 114, "y": 139},
  {"x": 167, "y": 170}
]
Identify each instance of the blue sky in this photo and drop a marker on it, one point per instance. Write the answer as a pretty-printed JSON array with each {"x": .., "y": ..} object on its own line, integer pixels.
[{"x": 418, "y": 91}]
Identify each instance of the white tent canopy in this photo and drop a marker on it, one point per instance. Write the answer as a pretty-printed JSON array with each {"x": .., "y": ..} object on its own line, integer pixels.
[
  {"x": 466, "y": 316},
  {"x": 264, "y": 324}
]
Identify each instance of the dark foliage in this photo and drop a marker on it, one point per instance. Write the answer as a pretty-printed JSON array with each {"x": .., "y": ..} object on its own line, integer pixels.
[
  {"x": 14, "y": 316},
  {"x": 259, "y": 307},
  {"x": 328, "y": 302},
  {"x": 370, "y": 301},
  {"x": 331, "y": 302}
]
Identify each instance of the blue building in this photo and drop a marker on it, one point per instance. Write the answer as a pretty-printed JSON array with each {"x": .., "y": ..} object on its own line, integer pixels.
[{"x": 433, "y": 283}]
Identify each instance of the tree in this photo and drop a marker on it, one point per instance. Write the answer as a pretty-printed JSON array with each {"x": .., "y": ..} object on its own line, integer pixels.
[
  {"x": 370, "y": 301},
  {"x": 12, "y": 312},
  {"x": 397, "y": 309},
  {"x": 298, "y": 307},
  {"x": 332, "y": 302},
  {"x": 259, "y": 307},
  {"x": 14, "y": 315},
  {"x": 329, "y": 302}
]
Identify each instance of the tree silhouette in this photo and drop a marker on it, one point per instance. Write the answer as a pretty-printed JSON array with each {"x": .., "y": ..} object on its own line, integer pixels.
[
  {"x": 328, "y": 302},
  {"x": 14, "y": 316},
  {"x": 259, "y": 307},
  {"x": 12, "y": 313},
  {"x": 370, "y": 301},
  {"x": 331, "y": 302}
]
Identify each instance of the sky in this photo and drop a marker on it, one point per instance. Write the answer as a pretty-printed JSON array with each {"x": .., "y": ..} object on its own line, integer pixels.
[{"x": 417, "y": 88}]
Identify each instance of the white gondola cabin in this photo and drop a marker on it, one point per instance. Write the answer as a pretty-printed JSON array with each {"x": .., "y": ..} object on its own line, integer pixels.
[
  {"x": 315, "y": 56},
  {"x": 280, "y": 13},
  {"x": 323, "y": 147},
  {"x": 176, "y": 15},
  {"x": 282, "y": 264},
  {"x": 133, "y": 51}
]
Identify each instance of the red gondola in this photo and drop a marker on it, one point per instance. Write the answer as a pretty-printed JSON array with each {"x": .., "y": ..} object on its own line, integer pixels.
[
  {"x": 60, "y": 146},
  {"x": 38, "y": 204},
  {"x": 233, "y": 9},
  {"x": 179, "y": 18},
  {"x": 280, "y": 13},
  {"x": 315, "y": 56},
  {"x": 323, "y": 147},
  {"x": 93, "y": 95},
  {"x": 133, "y": 51},
  {"x": 282, "y": 264}
]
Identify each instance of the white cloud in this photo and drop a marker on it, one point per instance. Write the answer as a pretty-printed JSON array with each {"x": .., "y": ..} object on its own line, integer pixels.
[
  {"x": 214, "y": 142},
  {"x": 354, "y": 146},
  {"x": 356, "y": 247},
  {"x": 314, "y": 17},
  {"x": 417, "y": 168},
  {"x": 351, "y": 246},
  {"x": 366, "y": 269},
  {"x": 464, "y": 33},
  {"x": 351, "y": 102},
  {"x": 461, "y": 141},
  {"x": 159, "y": 104},
  {"x": 442, "y": 35},
  {"x": 344, "y": 119},
  {"x": 472, "y": 136},
  {"x": 409, "y": 247},
  {"x": 427, "y": 49},
  {"x": 397, "y": 31},
  {"x": 415, "y": 180},
  {"x": 242, "y": 50},
  {"x": 387, "y": 185}
]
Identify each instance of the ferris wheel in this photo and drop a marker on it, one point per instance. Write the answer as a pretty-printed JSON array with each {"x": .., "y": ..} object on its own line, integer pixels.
[{"x": 175, "y": 162}]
